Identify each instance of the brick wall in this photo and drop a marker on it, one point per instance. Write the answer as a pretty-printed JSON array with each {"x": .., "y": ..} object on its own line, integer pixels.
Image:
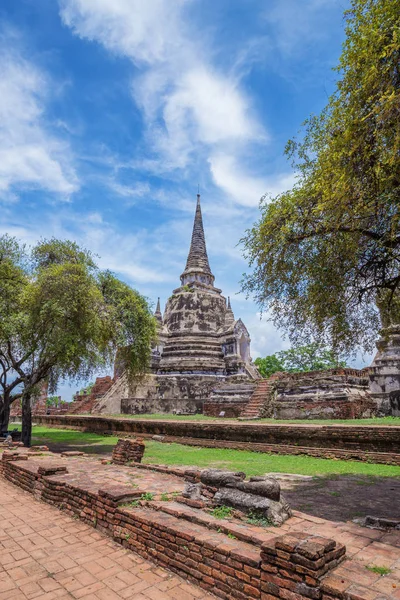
[
  {"x": 374, "y": 438},
  {"x": 85, "y": 402},
  {"x": 288, "y": 567}
]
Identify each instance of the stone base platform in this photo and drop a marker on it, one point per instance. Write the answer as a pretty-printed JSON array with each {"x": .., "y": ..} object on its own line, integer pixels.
[{"x": 140, "y": 507}]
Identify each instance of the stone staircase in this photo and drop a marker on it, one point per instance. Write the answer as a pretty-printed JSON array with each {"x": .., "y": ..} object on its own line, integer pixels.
[
  {"x": 113, "y": 396},
  {"x": 84, "y": 406},
  {"x": 258, "y": 399},
  {"x": 240, "y": 531}
]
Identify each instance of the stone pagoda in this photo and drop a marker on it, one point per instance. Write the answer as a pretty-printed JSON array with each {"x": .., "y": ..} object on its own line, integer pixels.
[
  {"x": 198, "y": 332},
  {"x": 203, "y": 352}
]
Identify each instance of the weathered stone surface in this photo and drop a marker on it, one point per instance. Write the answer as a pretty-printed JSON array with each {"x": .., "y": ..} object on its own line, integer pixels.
[
  {"x": 268, "y": 488},
  {"x": 385, "y": 372},
  {"x": 217, "y": 478},
  {"x": 216, "y": 487},
  {"x": 335, "y": 393},
  {"x": 193, "y": 491},
  {"x": 276, "y": 512}
]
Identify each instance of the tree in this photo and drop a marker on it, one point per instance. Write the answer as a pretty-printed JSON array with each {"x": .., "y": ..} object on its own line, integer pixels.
[
  {"x": 269, "y": 365},
  {"x": 326, "y": 254},
  {"x": 299, "y": 359},
  {"x": 309, "y": 358},
  {"x": 12, "y": 280},
  {"x": 52, "y": 401},
  {"x": 68, "y": 320},
  {"x": 87, "y": 389}
]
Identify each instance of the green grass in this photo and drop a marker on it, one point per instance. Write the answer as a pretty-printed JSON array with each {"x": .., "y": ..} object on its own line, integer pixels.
[
  {"x": 222, "y": 512},
  {"x": 252, "y": 463},
  {"x": 255, "y": 463},
  {"x": 166, "y": 417},
  {"x": 255, "y": 518}
]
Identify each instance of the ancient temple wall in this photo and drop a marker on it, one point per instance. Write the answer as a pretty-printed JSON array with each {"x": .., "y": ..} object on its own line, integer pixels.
[
  {"x": 332, "y": 394},
  {"x": 180, "y": 394}
]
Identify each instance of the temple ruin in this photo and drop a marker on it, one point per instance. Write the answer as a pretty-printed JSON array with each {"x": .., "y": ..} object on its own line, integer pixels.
[
  {"x": 202, "y": 364},
  {"x": 202, "y": 357}
]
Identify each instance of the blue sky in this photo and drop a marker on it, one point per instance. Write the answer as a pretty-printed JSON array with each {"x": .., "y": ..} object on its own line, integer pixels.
[{"x": 112, "y": 111}]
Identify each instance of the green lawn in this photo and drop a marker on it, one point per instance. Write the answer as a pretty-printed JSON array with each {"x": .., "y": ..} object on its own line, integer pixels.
[
  {"x": 166, "y": 417},
  {"x": 255, "y": 463},
  {"x": 252, "y": 463}
]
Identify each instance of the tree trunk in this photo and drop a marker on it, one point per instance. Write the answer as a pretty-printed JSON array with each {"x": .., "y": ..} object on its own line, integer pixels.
[
  {"x": 4, "y": 415},
  {"x": 26, "y": 419}
]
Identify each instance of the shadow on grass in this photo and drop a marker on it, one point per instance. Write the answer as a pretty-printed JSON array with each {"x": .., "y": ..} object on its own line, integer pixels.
[
  {"x": 344, "y": 497},
  {"x": 60, "y": 440}
]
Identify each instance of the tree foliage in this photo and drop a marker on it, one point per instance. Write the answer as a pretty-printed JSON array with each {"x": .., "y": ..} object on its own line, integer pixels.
[
  {"x": 298, "y": 359},
  {"x": 326, "y": 253},
  {"x": 269, "y": 365},
  {"x": 61, "y": 317}
]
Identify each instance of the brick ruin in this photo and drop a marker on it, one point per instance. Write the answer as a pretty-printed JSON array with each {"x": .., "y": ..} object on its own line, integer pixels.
[
  {"x": 305, "y": 558},
  {"x": 128, "y": 451},
  {"x": 84, "y": 401},
  {"x": 39, "y": 405},
  {"x": 385, "y": 372},
  {"x": 331, "y": 394}
]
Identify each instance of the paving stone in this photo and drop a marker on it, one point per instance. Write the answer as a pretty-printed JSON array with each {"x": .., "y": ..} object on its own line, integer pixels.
[{"x": 108, "y": 573}]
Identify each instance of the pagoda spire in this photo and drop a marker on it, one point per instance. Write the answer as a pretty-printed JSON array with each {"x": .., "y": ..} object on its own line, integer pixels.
[
  {"x": 197, "y": 265},
  {"x": 157, "y": 313},
  {"x": 229, "y": 316}
]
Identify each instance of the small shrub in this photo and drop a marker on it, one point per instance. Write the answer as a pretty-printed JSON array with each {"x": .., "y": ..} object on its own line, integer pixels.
[
  {"x": 222, "y": 512},
  {"x": 231, "y": 536},
  {"x": 147, "y": 496},
  {"x": 379, "y": 570},
  {"x": 256, "y": 518},
  {"x": 164, "y": 497}
]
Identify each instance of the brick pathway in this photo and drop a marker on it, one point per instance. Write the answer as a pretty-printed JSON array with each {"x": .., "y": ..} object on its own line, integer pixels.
[{"x": 48, "y": 555}]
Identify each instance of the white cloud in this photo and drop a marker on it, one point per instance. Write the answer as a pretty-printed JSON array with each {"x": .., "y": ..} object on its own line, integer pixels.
[
  {"x": 129, "y": 191},
  {"x": 191, "y": 108},
  {"x": 30, "y": 156},
  {"x": 147, "y": 32},
  {"x": 244, "y": 188}
]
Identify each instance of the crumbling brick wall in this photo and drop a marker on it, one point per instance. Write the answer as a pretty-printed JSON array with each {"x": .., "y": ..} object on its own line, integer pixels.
[{"x": 128, "y": 451}]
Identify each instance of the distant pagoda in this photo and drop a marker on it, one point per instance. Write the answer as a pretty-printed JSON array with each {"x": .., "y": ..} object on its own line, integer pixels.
[{"x": 198, "y": 331}]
